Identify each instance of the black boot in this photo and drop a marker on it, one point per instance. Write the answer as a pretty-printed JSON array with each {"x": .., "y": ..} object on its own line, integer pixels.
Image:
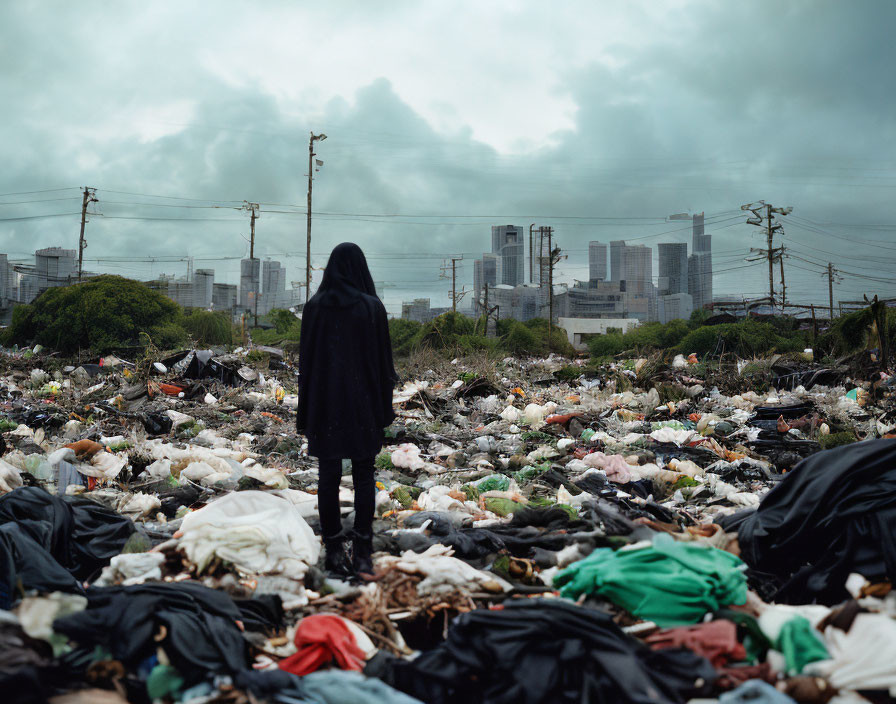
[
  {"x": 336, "y": 562},
  {"x": 362, "y": 552}
]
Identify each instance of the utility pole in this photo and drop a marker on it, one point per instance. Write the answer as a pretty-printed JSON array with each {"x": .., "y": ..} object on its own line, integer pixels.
[
  {"x": 531, "y": 274},
  {"x": 831, "y": 273},
  {"x": 89, "y": 197},
  {"x": 319, "y": 137},
  {"x": 770, "y": 252},
  {"x": 252, "y": 209},
  {"x": 486, "y": 308},
  {"x": 454, "y": 283},
  {"x": 783, "y": 285},
  {"x": 549, "y": 231}
]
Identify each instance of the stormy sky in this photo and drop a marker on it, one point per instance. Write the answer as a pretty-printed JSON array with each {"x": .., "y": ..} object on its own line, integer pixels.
[{"x": 443, "y": 118}]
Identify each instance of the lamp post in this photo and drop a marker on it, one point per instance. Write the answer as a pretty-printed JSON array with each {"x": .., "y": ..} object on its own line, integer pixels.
[{"x": 314, "y": 137}]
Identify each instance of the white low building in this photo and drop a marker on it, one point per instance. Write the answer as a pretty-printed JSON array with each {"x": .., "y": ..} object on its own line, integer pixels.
[{"x": 578, "y": 328}]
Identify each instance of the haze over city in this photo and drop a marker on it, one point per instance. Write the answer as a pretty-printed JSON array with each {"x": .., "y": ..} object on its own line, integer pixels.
[{"x": 599, "y": 121}]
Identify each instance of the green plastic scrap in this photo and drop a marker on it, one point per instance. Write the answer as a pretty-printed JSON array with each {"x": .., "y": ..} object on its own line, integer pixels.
[
  {"x": 667, "y": 582},
  {"x": 384, "y": 461},
  {"x": 6, "y": 425},
  {"x": 674, "y": 424},
  {"x": 163, "y": 681},
  {"x": 530, "y": 473},
  {"x": 685, "y": 481},
  {"x": 501, "y": 506},
  {"x": 536, "y": 435},
  {"x": 471, "y": 492},
  {"x": 494, "y": 482},
  {"x": 406, "y": 495},
  {"x": 587, "y": 434},
  {"x": 800, "y": 645}
]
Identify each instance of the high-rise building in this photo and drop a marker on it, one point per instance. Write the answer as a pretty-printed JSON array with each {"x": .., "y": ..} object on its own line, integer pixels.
[
  {"x": 55, "y": 266},
  {"x": 673, "y": 268},
  {"x": 700, "y": 279},
  {"x": 597, "y": 261},
  {"x": 507, "y": 243},
  {"x": 203, "y": 287},
  {"x": 250, "y": 283},
  {"x": 674, "y": 306},
  {"x": 637, "y": 268},
  {"x": 616, "y": 249},
  {"x": 701, "y": 242},
  {"x": 223, "y": 296},
  {"x": 485, "y": 271}
]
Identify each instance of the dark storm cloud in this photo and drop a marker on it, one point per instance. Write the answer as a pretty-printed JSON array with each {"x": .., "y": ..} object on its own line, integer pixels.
[{"x": 726, "y": 104}]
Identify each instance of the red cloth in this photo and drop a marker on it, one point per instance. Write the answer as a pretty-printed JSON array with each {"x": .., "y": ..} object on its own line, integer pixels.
[
  {"x": 320, "y": 639},
  {"x": 716, "y": 641}
]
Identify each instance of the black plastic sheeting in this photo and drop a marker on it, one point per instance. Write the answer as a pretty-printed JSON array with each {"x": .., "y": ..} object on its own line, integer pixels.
[
  {"x": 831, "y": 516},
  {"x": 50, "y": 543},
  {"x": 538, "y": 650},
  {"x": 200, "y": 631}
]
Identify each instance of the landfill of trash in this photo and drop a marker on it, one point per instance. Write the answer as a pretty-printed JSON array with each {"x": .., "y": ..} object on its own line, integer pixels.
[{"x": 546, "y": 531}]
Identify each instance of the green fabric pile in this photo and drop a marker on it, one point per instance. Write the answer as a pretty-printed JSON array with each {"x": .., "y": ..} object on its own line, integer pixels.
[{"x": 667, "y": 582}]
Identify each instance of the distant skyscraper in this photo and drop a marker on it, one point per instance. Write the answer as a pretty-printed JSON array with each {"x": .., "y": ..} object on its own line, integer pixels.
[
  {"x": 616, "y": 247},
  {"x": 700, "y": 279},
  {"x": 597, "y": 261},
  {"x": 507, "y": 243},
  {"x": 250, "y": 280},
  {"x": 203, "y": 287},
  {"x": 701, "y": 242},
  {"x": 637, "y": 268},
  {"x": 55, "y": 266},
  {"x": 485, "y": 271},
  {"x": 673, "y": 267}
]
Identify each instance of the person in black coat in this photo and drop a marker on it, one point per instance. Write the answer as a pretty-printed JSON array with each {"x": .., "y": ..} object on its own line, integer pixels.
[{"x": 346, "y": 377}]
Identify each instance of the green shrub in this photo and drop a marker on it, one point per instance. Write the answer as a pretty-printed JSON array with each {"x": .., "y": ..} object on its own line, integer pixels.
[
  {"x": 521, "y": 340},
  {"x": 102, "y": 314},
  {"x": 442, "y": 331},
  {"x": 402, "y": 333},
  {"x": 836, "y": 440},
  {"x": 208, "y": 328}
]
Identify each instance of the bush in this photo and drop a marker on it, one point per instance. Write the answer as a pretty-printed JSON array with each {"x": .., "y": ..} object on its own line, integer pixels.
[
  {"x": 521, "y": 340},
  {"x": 103, "y": 313},
  {"x": 284, "y": 321},
  {"x": 402, "y": 333},
  {"x": 208, "y": 328},
  {"x": 442, "y": 332}
]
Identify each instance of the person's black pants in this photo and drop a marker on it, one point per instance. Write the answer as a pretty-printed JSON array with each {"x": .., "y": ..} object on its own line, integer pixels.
[{"x": 329, "y": 476}]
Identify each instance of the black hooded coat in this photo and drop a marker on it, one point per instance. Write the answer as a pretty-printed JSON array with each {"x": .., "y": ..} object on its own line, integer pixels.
[{"x": 346, "y": 375}]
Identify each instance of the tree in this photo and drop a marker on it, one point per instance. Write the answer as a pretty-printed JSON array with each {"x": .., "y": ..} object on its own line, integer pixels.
[{"x": 102, "y": 314}]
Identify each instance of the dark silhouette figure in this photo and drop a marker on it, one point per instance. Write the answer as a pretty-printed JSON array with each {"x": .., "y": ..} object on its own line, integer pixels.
[{"x": 346, "y": 378}]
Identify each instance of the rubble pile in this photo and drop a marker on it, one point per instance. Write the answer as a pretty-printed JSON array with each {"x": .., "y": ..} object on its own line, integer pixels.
[{"x": 546, "y": 531}]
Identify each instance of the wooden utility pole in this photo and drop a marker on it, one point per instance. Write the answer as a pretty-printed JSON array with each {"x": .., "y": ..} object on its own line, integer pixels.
[
  {"x": 486, "y": 308},
  {"x": 311, "y": 141},
  {"x": 89, "y": 197},
  {"x": 769, "y": 253},
  {"x": 783, "y": 284},
  {"x": 770, "y": 233},
  {"x": 454, "y": 283},
  {"x": 531, "y": 258},
  {"x": 550, "y": 230},
  {"x": 252, "y": 208},
  {"x": 831, "y": 272}
]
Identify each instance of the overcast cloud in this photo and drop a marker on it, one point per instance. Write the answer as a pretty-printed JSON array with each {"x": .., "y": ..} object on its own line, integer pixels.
[{"x": 597, "y": 118}]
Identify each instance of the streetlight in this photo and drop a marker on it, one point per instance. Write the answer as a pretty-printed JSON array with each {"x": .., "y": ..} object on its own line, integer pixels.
[{"x": 314, "y": 137}]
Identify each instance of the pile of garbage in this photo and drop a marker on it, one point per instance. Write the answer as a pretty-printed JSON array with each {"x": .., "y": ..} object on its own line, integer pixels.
[{"x": 546, "y": 531}]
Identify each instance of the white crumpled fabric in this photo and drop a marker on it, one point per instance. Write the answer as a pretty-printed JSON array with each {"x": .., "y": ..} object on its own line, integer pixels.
[
  {"x": 132, "y": 568},
  {"x": 615, "y": 466},
  {"x": 10, "y": 477},
  {"x": 678, "y": 437},
  {"x": 443, "y": 573},
  {"x": 407, "y": 456},
  {"x": 255, "y": 531},
  {"x": 863, "y": 657},
  {"x": 139, "y": 505},
  {"x": 103, "y": 465}
]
